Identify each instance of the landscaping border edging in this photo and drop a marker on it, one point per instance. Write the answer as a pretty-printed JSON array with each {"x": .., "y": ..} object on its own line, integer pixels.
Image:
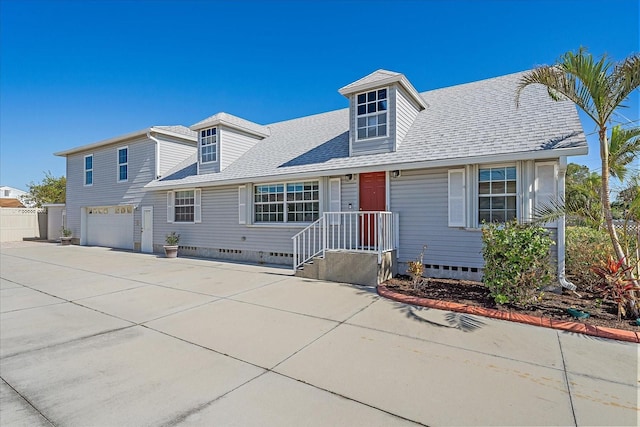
[{"x": 580, "y": 328}]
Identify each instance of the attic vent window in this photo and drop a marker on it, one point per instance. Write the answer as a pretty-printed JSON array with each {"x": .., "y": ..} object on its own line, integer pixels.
[
  {"x": 208, "y": 145},
  {"x": 372, "y": 114}
]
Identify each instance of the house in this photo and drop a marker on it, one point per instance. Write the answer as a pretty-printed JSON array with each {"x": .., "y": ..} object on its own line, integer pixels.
[
  {"x": 11, "y": 197},
  {"x": 353, "y": 194},
  {"x": 106, "y": 179}
]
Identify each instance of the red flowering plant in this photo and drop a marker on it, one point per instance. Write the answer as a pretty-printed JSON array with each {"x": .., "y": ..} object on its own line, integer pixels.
[{"x": 615, "y": 285}]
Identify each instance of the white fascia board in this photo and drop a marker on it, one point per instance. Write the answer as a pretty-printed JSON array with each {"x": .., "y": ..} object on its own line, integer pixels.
[
  {"x": 121, "y": 138},
  {"x": 429, "y": 164},
  {"x": 53, "y": 205}
]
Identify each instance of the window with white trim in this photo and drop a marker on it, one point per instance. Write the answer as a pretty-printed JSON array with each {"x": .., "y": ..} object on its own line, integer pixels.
[
  {"x": 286, "y": 202},
  {"x": 184, "y": 206},
  {"x": 497, "y": 194},
  {"x": 88, "y": 169},
  {"x": 123, "y": 164},
  {"x": 208, "y": 145},
  {"x": 371, "y": 114}
]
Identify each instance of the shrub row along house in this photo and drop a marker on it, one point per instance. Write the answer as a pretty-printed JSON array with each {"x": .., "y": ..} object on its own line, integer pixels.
[{"x": 347, "y": 195}]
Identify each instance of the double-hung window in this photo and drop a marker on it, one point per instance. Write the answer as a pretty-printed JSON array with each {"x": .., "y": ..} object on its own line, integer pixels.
[
  {"x": 286, "y": 202},
  {"x": 371, "y": 114},
  {"x": 208, "y": 145},
  {"x": 497, "y": 194},
  {"x": 184, "y": 206},
  {"x": 492, "y": 194},
  {"x": 88, "y": 170},
  {"x": 123, "y": 164}
]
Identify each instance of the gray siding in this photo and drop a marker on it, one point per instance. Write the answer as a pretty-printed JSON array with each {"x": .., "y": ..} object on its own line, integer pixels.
[
  {"x": 419, "y": 197},
  {"x": 209, "y": 167},
  {"x": 220, "y": 229},
  {"x": 406, "y": 113},
  {"x": 233, "y": 144},
  {"x": 421, "y": 200},
  {"x": 377, "y": 145},
  {"x": 106, "y": 190},
  {"x": 172, "y": 151},
  {"x": 349, "y": 194}
]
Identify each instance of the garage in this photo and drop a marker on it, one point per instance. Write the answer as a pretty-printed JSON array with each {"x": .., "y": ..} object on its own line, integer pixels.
[{"x": 110, "y": 226}]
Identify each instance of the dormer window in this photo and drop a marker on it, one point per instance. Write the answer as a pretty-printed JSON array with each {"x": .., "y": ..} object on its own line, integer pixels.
[
  {"x": 208, "y": 145},
  {"x": 371, "y": 111}
]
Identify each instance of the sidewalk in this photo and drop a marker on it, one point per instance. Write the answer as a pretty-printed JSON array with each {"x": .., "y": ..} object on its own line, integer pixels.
[{"x": 91, "y": 336}]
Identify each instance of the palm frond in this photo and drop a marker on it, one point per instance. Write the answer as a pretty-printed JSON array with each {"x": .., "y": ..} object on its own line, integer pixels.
[
  {"x": 578, "y": 78},
  {"x": 624, "y": 148},
  {"x": 625, "y": 78},
  {"x": 557, "y": 208}
]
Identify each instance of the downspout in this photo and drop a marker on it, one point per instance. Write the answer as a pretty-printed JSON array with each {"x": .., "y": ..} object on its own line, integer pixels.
[
  {"x": 562, "y": 171},
  {"x": 157, "y": 174}
]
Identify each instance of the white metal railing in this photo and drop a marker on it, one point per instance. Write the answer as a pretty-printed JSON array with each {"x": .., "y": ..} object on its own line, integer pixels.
[{"x": 350, "y": 231}]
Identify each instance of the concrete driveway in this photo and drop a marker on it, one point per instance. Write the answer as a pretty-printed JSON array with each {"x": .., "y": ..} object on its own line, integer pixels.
[{"x": 91, "y": 336}]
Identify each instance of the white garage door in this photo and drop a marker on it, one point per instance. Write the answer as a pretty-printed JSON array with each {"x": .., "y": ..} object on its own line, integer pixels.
[{"x": 110, "y": 226}]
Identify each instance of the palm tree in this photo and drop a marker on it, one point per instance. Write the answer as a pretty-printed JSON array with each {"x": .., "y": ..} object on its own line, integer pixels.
[{"x": 598, "y": 88}]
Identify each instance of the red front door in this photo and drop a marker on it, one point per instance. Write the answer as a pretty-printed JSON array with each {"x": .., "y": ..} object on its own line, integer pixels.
[{"x": 372, "y": 198}]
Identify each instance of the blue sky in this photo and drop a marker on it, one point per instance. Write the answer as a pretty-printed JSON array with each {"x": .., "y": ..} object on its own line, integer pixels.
[{"x": 77, "y": 72}]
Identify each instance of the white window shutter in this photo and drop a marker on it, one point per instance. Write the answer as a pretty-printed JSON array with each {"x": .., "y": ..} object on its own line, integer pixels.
[
  {"x": 334, "y": 200},
  {"x": 457, "y": 196},
  {"x": 170, "y": 211},
  {"x": 242, "y": 204},
  {"x": 197, "y": 206},
  {"x": 546, "y": 187}
]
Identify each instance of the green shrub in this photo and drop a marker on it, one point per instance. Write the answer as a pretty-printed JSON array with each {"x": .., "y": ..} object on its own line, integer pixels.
[
  {"x": 517, "y": 261},
  {"x": 585, "y": 247}
]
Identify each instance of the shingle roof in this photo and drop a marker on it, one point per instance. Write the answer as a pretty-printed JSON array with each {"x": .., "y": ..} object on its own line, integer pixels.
[
  {"x": 183, "y": 130},
  {"x": 10, "y": 203},
  {"x": 463, "y": 124},
  {"x": 232, "y": 121}
]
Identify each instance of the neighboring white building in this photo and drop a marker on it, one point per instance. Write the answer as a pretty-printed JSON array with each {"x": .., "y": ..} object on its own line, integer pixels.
[
  {"x": 12, "y": 197},
  {"x": 11, "y": 193}
]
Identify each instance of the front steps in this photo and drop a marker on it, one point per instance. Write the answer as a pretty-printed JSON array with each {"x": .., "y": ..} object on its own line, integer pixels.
[{"x": 359, "y": 268}]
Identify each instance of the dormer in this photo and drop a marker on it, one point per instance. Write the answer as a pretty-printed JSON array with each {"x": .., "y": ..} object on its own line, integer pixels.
[
  {"x": 223, "y": 138},
  {"x": 382, "y": 108}
]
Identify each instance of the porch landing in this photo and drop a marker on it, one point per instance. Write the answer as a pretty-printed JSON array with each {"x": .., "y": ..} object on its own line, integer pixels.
[{"x": 359, "y": 268}]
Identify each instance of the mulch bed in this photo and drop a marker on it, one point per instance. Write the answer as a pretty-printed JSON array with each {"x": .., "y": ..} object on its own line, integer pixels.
[{"x": 551, "y": 305}]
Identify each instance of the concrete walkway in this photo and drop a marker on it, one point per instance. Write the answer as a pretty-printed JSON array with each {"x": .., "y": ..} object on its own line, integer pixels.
[{"x": 91, "y": 336}]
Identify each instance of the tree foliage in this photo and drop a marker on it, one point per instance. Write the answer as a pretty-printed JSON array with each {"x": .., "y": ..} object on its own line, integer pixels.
[
  {"x": 629, "y": 198},
  {"x": 582, "y": 196},
  {"x": 50, "y": 190}
]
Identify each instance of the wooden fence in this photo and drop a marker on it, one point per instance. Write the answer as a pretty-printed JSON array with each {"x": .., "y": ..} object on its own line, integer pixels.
[{"x": 19, "y": 223}]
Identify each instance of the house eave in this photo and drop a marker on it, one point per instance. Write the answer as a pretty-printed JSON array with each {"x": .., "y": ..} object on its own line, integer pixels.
[
  {"x": 122, "y": 138},
  {"x": 429, "y": 164}
]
